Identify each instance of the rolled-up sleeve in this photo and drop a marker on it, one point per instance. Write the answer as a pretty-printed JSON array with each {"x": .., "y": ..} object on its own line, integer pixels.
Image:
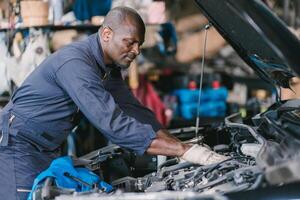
[{"x": 82, "y": 83}]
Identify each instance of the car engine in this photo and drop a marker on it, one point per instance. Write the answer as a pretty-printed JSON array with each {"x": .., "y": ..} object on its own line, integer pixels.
[
  {"x": 237, "y": 173},
  {"x": 260, "y": 154}
]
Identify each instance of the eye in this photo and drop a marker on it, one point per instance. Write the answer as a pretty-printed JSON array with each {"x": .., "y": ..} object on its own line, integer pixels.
[{"x": 129, "y": 43}]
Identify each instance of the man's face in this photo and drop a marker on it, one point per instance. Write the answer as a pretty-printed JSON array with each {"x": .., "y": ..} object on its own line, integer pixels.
[{"x": 124, "y": 45}]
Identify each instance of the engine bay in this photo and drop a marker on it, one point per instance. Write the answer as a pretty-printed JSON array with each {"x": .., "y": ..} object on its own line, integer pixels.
[
  {"x": 260, "y": 154},
  {"x": 237, "y": 173}
]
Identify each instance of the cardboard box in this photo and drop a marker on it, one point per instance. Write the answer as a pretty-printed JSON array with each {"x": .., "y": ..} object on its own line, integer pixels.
[{"x": 34, "y": 13}]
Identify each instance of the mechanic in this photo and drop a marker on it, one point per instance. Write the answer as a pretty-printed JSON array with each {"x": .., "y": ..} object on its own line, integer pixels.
[{"x": 83, "y": 77}]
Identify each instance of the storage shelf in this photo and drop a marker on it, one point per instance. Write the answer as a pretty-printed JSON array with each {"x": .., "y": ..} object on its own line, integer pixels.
[{"x": 82, "y": 27}]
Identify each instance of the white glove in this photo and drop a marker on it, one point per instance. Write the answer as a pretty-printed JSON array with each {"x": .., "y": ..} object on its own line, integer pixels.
[{"x": 202, "y": 155}]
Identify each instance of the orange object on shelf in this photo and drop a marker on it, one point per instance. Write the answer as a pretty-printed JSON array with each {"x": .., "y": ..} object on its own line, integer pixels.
[{"x": 34, "y": 13}]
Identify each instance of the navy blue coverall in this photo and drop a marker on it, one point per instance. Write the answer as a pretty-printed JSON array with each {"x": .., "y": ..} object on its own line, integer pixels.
[{"x": 40, "y": 114}]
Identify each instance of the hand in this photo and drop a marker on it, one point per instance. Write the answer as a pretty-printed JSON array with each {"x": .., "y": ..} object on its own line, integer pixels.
[{"x": 202, "y": 155}]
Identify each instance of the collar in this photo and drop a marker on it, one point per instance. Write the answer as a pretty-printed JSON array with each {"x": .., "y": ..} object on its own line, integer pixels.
[{"x": 97, "y": 52}]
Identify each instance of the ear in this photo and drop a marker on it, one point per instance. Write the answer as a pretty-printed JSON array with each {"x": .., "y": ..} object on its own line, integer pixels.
[{"x": 106, "y": 34}]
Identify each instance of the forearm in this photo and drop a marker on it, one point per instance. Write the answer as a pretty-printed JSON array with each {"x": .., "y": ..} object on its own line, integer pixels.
[{"x": 166, "y": 144}]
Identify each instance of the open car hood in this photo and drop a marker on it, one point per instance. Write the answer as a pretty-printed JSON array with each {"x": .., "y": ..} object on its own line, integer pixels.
[{"x": 261, "y": 39}]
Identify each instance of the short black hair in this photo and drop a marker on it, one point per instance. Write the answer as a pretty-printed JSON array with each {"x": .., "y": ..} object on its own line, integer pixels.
[{"x": 123, "y": 15}]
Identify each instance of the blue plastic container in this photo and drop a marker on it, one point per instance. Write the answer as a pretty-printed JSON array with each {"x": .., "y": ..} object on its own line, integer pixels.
[
  {"x": 191, "y": 96},
  {"x": 207, "y": 109},
  {"x": 213, "y": 102}
]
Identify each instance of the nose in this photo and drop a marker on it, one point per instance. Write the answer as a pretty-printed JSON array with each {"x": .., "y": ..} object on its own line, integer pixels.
[{"x": 136, "y": 49}]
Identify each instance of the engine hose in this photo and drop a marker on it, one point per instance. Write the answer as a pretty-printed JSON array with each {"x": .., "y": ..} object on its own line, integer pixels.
[
  {"x": 168, "y": 162},
  {"x": 214, "y": 166},
  {"x": 257, "y": 182},
  {"x": 174, "y": 168},
  {"x": 221, "y": 179}
]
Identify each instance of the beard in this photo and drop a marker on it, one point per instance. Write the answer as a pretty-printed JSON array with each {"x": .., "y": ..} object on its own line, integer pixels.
[
  {"x": 122, "y": 66},
  {"x": 124, "y": 62}
]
